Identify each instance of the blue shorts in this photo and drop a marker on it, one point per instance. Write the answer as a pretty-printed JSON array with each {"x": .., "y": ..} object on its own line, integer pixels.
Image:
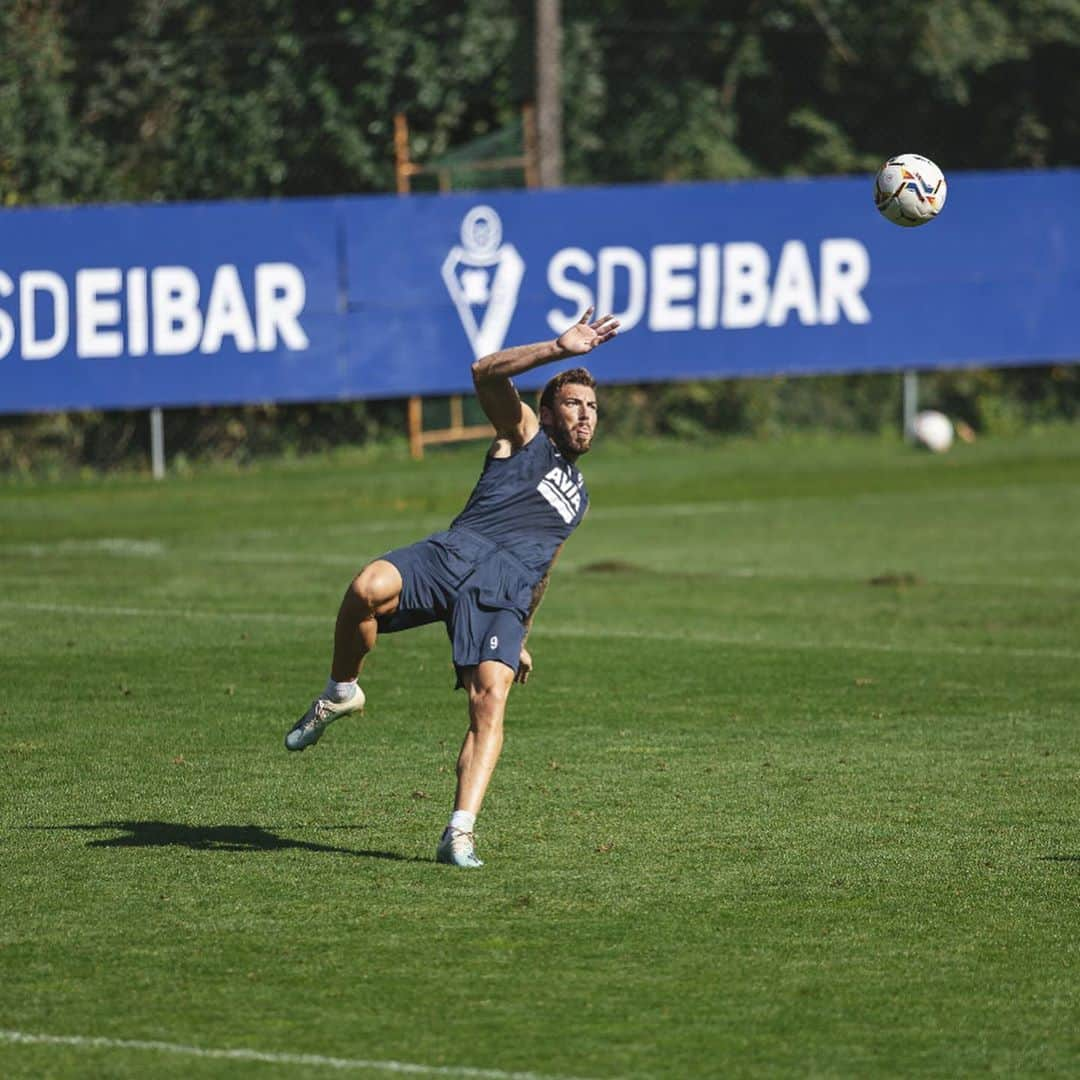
[{"x": 480, "y": 592}]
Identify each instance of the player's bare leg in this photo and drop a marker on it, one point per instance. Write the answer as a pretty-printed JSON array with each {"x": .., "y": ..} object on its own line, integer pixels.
[
  {"x": 374, "y": 591},
  {"x": 488, "y": 685}
]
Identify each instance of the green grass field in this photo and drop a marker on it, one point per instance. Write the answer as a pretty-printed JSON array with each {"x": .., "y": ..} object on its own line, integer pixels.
[{"x": 756, "y": 816}]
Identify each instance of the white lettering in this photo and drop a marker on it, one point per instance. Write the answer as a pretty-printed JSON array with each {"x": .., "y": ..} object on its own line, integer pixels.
[
  {"x": 157, "y": 310},
  {"x": 7, "y": 323},
  {"x": 746, "y": 284},
  {"x": 674, "y": 287},
  {"x": 708, "y": 312},
  {"x": 43, "y": 281},
  {"x": 564, "y": 482},
  {"x": 620, "y": 258},
  {"x": 97, "y": 312},
  {"x": 177, "y": 319},
  {"x": 138, "y": 326},
  {"x": 793, "y": 287},
  {"x": 671, "y": 284},
  {"x": 227, "y": 313},
  {"x": 845, "y": 270},
  {"x": 561, "y": 492},
  {"x": 280, "y": 294},
  {"x": 686, "y": 286},
  {"x": 569, "y": 259}
]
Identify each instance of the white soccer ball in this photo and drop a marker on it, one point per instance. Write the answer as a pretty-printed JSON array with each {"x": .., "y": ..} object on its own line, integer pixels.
[
  {"x": 934, "y": 430},
  {"x": 910, "y": 190}
]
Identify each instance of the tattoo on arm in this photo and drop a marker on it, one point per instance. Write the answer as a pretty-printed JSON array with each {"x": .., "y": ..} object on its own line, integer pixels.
[
  {"x": 537, "y": 596},
  {"x": 538, "y": 592}
]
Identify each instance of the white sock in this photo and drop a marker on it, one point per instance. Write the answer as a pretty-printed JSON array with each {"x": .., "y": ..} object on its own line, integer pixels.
[
  {"x": 338, "y": 692},
  {"x": 462, "y": 820}
]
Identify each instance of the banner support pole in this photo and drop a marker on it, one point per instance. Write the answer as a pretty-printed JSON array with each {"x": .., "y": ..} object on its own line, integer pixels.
[
  {"x": 911, "y": 403},
  {"x": 157, "y": 443}
]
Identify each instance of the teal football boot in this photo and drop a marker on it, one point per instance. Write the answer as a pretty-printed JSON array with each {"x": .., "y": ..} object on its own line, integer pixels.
[
  {"x": 309, "y": 728},
  {"x": 457, "y": 848}
]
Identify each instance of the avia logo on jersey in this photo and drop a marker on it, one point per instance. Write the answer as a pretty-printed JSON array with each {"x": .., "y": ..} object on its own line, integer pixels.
[
  {"x": 483, "y": 276},
  {"x": 563, "y": 492}
]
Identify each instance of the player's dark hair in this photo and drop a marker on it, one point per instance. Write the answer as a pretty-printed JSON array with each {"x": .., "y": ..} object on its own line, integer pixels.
[{"x": 579, "y": 376}]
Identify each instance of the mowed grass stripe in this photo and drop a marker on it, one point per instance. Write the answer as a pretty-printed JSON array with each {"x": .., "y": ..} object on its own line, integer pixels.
[
  {"x": 361, "y": 521},
  {"x": 570, "y": 631},
  {"x": 209, "y": 556}
]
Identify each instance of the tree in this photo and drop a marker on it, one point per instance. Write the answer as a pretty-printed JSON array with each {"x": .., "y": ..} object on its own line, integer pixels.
[{"x": 45, "y": 154}]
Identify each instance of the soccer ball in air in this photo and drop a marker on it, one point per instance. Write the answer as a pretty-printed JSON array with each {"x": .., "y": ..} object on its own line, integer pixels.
[
  {"x": 934, "y": 430},
  {"x": 910, "y": 190}
]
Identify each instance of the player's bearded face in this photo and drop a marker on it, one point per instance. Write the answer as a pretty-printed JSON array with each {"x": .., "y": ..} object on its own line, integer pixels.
[{"x": 573, "y": 419}]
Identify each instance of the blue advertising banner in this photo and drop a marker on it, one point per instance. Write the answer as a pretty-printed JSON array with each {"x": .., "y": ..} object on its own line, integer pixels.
[
  {"x": 130, "y": 306},
  {"x": 782, "y": 277},
  {"x": 385, "y": 296}
]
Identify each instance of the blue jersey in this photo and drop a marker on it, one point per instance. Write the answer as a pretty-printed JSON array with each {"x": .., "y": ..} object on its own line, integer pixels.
[
  {"x": 527, "y": 504},
  {"x": 479, "y": 576}
]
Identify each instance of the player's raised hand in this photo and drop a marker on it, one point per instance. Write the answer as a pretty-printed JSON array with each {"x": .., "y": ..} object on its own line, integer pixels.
[{"x": 584, "y": 335}]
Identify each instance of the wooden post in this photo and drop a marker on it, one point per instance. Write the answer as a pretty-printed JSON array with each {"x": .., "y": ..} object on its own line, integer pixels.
[
  {"x": 402, "y": 165},
  {"x": 530, "y": 162},
  {"x": 531, "y": 151},
  {"x": 549, "y": 90},
  {"x": 416, "y": 427}
]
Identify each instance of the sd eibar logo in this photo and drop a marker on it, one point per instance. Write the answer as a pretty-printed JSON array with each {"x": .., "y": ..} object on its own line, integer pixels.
[{"x": 483, "y": 276}]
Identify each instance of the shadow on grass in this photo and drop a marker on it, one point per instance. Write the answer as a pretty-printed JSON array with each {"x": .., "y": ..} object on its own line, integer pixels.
[
  {"x": 1059, "y": 858},
  {"x": 212, "y": 838}
]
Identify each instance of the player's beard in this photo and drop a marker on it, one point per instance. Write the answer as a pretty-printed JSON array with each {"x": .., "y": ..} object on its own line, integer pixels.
[{"x": 569, "y": 447}]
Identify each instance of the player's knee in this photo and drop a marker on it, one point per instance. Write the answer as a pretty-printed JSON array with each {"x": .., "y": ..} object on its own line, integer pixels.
[
  {"x": 355, "y": 603},
  {"x": 372, "y": 587},
  {"x": 486, "y": 720},
  {"x": 487, "y": 695}
]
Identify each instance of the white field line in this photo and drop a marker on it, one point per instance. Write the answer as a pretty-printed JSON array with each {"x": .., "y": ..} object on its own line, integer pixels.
[
  {"x": 724, "y": 640},
  {"x": 309, "y": 1060},
  {"x": 157, "y": 550},
  {"x": 163, "y": 613},
  {"x": 149, "y": 549}
]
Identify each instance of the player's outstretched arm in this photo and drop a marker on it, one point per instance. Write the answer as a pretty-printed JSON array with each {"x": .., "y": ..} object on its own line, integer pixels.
[{"x": 492, "y": 375}]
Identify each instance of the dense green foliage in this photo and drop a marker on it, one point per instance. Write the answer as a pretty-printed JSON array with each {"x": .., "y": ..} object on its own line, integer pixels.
[
  {"x": 756, "y": 816},
  {"x": 185, "y": 99},
  {"x": 177, "y": 99},
  {"x": 992, "y": 402}
]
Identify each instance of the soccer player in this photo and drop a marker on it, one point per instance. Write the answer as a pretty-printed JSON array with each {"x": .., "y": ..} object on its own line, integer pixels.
[{"x": 485, "y": 575}]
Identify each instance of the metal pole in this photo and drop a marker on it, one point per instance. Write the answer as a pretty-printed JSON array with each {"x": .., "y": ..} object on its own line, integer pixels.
[
  {"x": 157, "y": 444},
  {"x": 911, "y": 402},
  {"x": 549, "y": 91}
]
